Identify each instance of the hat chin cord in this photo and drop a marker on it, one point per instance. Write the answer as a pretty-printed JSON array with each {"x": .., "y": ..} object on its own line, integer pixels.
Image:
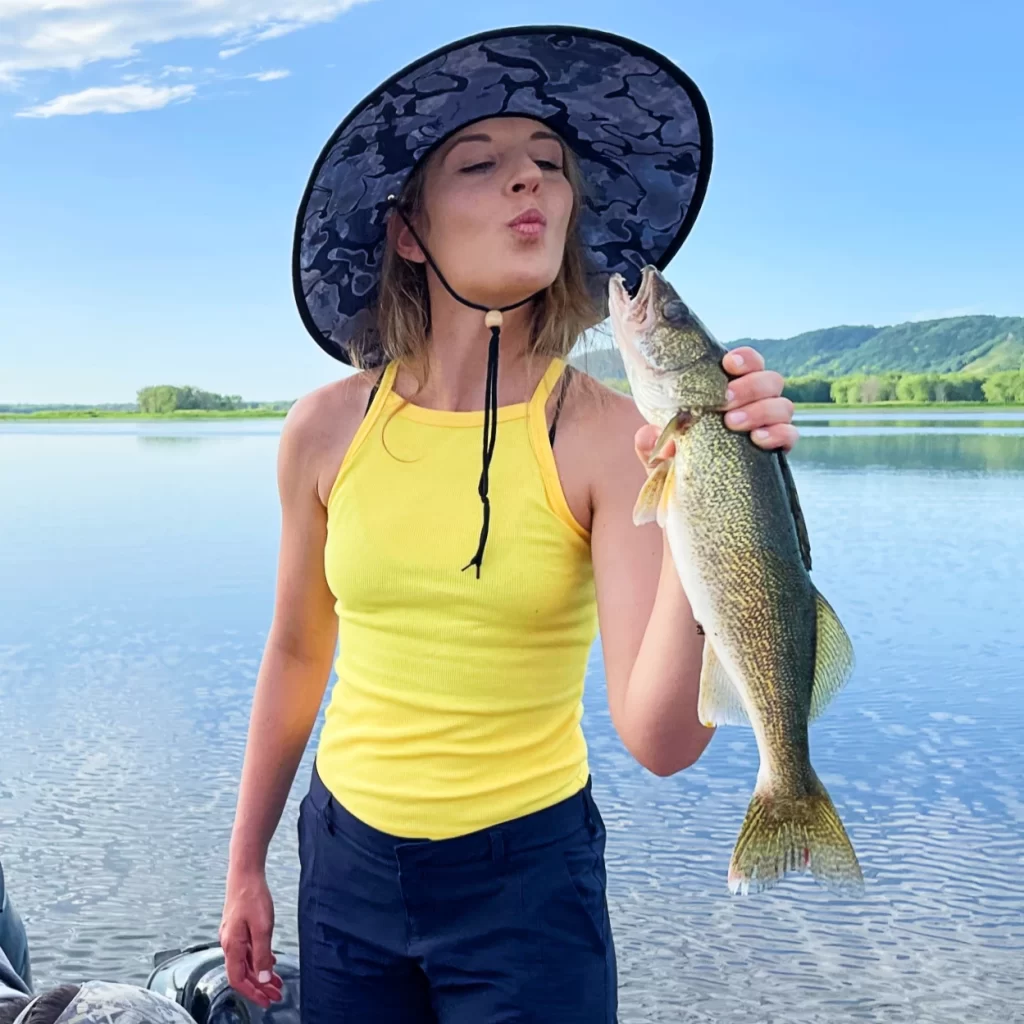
[{"x": 493, "y": 320}]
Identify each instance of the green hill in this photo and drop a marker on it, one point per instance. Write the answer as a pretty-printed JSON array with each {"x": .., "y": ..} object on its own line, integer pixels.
[
  {"x": 930, "y": 346},
  {"x": 979, "y": 344},
  {"x": 814, "y": 352},
  {"x": 1007, "y": 354}
]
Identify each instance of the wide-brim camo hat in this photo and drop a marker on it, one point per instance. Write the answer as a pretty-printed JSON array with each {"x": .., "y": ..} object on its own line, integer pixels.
[{"x": 637, "y": 124}]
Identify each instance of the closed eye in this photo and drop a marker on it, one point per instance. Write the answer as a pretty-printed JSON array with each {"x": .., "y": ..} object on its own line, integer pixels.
[{"x": 544, "y": 165}]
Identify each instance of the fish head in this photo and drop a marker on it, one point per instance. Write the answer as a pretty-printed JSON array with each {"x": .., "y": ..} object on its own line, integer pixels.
[{"x": 671, "y": 359}]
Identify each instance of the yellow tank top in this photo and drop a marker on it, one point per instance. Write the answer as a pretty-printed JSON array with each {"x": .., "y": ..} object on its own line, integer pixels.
[{"x": 458, "y": 700}]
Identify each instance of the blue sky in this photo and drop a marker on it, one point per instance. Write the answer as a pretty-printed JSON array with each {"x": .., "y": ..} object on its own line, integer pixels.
[{"x": 868, "y": 165}]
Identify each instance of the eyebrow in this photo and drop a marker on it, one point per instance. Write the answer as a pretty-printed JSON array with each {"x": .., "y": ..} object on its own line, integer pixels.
[{"x": 482, "y": 137}]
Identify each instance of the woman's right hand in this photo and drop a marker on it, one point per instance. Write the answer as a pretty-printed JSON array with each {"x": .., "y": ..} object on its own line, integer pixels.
[{"x": 246, "y": 929}]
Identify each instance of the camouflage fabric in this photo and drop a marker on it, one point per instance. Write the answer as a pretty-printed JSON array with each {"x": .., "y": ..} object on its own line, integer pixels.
[
  {"x": 103, "y": 1002},
  {"x": 638, "y": 125}
]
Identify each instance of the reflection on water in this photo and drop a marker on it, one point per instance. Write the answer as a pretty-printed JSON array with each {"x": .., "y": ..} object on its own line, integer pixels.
[
  {"x": 138, "y": 586},
  {"x": 915, "y": 418},
  {"x": 964, "y": 426},
  {"x": 955, "y": 453}
]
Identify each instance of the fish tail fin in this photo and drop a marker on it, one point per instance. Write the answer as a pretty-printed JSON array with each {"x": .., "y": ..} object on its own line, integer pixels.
[{"x": 783, "y": 833}]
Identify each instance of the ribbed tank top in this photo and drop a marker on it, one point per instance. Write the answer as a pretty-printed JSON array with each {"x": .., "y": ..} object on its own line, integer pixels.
[{"x": 458, "y": 700}]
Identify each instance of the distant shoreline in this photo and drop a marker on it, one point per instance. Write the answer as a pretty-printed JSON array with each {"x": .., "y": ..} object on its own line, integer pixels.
[
  {"x": 88, "y": 415},
  {"x": 178, "y": 414}
]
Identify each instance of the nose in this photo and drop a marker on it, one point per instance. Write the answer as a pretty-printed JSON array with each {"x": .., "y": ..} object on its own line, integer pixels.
[{"x": 526, "y": 176}]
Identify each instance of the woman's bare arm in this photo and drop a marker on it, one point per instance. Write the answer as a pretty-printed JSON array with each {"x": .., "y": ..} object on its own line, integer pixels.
[
  {"x": 292, "y": 676},
  {"x": 652, "y": 649},
  {"x": 300, "y": 646}
]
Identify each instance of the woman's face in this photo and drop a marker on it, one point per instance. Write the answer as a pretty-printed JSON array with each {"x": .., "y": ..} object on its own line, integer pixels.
[{"x": 497, "y": 206}]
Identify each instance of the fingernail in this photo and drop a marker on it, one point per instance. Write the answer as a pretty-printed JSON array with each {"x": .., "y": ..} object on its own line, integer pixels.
[
  {"x": 265, "y": 976},
  {"x": 737, "y": 361},
  {"x": 760, "y": 435},
  {"x": 736, "y": 418},
  {"x": 729, "y": 394}
]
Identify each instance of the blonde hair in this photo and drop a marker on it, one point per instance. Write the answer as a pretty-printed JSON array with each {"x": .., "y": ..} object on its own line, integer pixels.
[{"x": 561, "y": 313}]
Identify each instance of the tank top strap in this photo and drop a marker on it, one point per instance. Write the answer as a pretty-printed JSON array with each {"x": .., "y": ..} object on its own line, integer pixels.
[
  {"x": 382, "y": 387},
  {"x": 546, "y": 385},
  {"x": 379, "y": 394},
  {"x": 541, "y": 441}
]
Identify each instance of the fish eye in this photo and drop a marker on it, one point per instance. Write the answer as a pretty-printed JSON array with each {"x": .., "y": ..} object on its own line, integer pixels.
[{"x": 674, "y": 309}]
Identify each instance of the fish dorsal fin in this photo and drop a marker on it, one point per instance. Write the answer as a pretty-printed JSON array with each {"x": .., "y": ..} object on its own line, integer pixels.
[
  {"x": 720, "y": 702},
  {"x": 652, "y": 503},
  {"x": 794, "y": 503},
  {"x": 833, "y": 663}
]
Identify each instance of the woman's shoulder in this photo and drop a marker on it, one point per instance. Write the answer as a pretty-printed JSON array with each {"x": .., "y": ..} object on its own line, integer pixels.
[
  {"x": 320, "y": 426},
  {"x": 331, "y": 403},
  {"x": 595, "y": 448},
  {"x": 600, "y": 408}
]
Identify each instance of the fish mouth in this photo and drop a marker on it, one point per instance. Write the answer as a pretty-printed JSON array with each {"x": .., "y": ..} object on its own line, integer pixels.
[
  {"x": 633, "y": 315},
  {"x": 642, "y": 306},
  {"x": 637, "y": 309}
]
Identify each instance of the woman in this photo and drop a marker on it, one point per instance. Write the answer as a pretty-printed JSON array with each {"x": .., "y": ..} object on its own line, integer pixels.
[{"x": 452, "y": 853}]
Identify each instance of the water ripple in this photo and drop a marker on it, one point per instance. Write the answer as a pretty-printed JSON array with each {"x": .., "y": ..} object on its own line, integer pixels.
[{"x": 125, "y": 692}]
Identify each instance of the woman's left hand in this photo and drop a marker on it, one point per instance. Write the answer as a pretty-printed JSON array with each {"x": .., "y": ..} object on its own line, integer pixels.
[{"x": 757, "y": 404}]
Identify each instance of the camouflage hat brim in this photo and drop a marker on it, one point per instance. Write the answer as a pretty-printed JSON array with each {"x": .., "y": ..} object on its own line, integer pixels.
[{"x": 638, "y": 125}]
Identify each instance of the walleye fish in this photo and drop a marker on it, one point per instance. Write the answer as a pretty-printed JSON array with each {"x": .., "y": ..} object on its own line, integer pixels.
[{"x": 775, "y": 652}]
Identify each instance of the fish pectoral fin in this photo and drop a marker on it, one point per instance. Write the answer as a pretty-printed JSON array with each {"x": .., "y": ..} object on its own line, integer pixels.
[
  {"x": 833, "y": 657},
  {"x": 652, "y": 495},
  {"x": 675, "y": 426},
  {"x": 720, "y": 702},
  {"x": 668, "y": 488}
]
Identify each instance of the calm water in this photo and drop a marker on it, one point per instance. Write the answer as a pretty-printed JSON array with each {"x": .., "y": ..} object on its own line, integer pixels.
[{"x": 137, "y": 565}]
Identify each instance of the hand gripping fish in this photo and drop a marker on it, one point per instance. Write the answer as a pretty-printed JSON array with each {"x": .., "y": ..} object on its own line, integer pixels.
[{"x": 774, "y": 651}]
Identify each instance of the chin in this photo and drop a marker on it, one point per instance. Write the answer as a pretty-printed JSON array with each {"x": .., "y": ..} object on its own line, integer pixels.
[
  {"x": 523, "y": 277},
  {"x": 505, "y": 277}
]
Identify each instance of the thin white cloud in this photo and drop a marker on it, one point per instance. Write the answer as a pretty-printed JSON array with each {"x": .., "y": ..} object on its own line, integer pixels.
[
  {"x": 233, "y": 51},
  {"x": 276, "y": 31},
  {"x": 174, "y": 69},
  {"x": 117, "y": 99},
  {"x": 47, "y": 35},
  {"x": 269, "y": 76}
]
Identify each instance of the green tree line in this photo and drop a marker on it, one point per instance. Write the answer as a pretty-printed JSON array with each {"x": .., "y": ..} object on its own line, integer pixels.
[
  {"x": 165, "y": 398},
  {"x": 863, "y": 388}
]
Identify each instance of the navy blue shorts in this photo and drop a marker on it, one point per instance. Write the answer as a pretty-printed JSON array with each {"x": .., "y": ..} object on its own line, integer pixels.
[{"x": 508, "y": 924}]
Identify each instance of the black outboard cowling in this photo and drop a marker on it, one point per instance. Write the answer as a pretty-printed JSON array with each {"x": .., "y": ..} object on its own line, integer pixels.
[
  {"x": 196, "y": 979},
  {"x": 13, "y": 940}
]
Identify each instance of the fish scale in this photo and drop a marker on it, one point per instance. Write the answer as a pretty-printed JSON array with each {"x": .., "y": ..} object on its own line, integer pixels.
[{"x": 736, "y": 549}]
